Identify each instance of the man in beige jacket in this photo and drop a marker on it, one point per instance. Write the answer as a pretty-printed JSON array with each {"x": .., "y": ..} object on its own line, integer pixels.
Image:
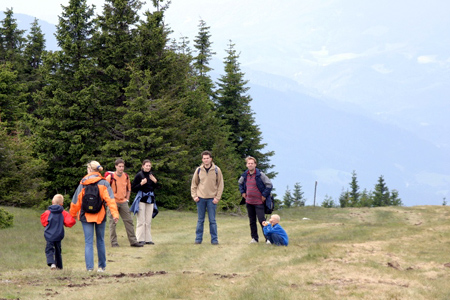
[{"x": 206, "y": 190}]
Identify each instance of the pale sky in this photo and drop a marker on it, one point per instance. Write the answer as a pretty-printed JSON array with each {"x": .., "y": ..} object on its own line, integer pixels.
[{"x": 47, "y": 10}]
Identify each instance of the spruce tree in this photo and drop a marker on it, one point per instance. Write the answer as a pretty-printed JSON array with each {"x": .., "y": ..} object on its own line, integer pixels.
[
  {"x": 150, "y": 131},
  {"x": 344, "y": 199},
  {"x": 201, "y": 60},
  {"x": 381, "y": 193},
  {"x": 12, "y": 41},
  {"x": 365, "y": 199},
  {"x": 33, "y": 59},
  {"x": 354, "y": 191},
  {"x": 17, "y": 159},
  {"x": 394, "y": 198},
  {"x": 233, "y": 106},
  {"x": 70, "y": 116},
  {"x": 115, "y": 48},
  {"x": 288, "y": 200},
  {"x": 12, "y": 97},
  {"x": 298, "y": 199}
]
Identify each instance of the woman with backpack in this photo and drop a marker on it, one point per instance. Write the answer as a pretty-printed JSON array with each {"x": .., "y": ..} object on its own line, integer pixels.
[
  {"x": 88, "y": 203},
  {"x": 144, "y": 184}
]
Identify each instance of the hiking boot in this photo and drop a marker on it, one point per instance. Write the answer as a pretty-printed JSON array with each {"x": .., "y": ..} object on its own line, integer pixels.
[
  {"x": 137, "y": 244},
  {"x": 253, "y": 241}
]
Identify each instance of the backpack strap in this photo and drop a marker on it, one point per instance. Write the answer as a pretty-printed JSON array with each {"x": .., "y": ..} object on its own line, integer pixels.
[{"x": 198, "y": 172}]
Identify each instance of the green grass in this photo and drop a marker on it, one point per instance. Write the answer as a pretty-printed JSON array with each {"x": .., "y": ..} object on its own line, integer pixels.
[{"x": 333, "y": 254}]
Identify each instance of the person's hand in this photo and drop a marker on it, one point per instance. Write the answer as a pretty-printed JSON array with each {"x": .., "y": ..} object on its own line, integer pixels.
[
  {"x": 263, "y": 198},
  {"x": 244, "y": 195},
  {"x": 264, "y": 223},
  {"x": 143, "y": 181},
  {"x": 153, "y": 178},
  {"x": 215, "y": 201},
  {"x": 116, "y": 220},
  {"x": 196, "y": 199}
]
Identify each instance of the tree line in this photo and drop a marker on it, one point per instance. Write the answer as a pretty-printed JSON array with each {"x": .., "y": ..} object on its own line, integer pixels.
[
  {"x": 119, "y": 87},
  {"x": 353, "y": 197}
]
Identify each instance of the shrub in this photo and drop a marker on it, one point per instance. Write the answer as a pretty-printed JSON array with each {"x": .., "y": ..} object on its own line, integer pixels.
[{"x": 6, "y": 219}]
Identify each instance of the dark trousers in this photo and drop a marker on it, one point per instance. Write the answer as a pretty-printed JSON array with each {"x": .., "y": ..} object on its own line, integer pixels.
[
  {"x": 255, "y": 211},
  {"x": 53, "y": 254}
]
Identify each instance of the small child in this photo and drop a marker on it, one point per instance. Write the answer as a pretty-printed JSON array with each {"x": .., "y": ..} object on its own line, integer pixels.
[
  {"x": 54, "y": 219},
  {"x": 274, "y": 233}
]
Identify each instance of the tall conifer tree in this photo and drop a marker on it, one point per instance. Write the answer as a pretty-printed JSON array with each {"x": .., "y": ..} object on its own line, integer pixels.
[
  {"x": 354, "y": 192},
  {"x": 381, "y": 193},
  {"x": 201, "y": 60},
  {"x": 70, "y": 123},
  {"x": 33, "y": 54},
  {"x": 233, "y": 105},
  {"x": 12, "y": 40}
]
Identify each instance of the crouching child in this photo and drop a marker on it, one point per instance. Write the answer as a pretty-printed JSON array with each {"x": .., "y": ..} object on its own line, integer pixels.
[
  {"x": 274, "y": 233},
  {"x": 54, "y": 219}
]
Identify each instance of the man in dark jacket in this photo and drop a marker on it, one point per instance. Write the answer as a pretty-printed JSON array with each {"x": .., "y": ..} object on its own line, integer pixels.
[
  {"x": 54, "y": 219},
  {"x": 255, "y": 187}
]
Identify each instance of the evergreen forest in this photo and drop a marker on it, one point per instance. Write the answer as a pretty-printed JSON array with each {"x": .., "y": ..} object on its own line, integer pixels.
[{"x": 119, "y": 86}]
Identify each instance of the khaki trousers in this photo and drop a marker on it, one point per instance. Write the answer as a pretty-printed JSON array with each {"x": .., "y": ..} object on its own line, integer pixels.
[
  {"x": 144, "y": 222},
  {"x": 127, "y": 218}
]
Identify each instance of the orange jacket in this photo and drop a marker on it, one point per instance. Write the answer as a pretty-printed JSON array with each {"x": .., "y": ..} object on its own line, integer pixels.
[{"x": 106, "y": 194}]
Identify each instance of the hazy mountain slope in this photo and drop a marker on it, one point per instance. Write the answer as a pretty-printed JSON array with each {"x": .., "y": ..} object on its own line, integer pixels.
[{"x": 315, "y": 142}]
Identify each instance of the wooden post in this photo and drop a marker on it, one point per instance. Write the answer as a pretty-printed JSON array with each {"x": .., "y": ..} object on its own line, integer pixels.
[{"x": 315, "y": 189}]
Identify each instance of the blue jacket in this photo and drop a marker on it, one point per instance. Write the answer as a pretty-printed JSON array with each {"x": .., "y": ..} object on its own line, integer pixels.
[
  {"x": 262, "y": 182},
  {"x": 277, "y": 229},
  {"x": 135, "y": 205},
  {"x": 54, "y": 219}
]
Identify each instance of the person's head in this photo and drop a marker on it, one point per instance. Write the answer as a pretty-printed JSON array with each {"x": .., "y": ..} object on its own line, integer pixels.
[
  {"x": 120, "y": 166},
  {"x": 58, "y": 199},
  {"x": 274, "y": 219},
  {"x": 146, "y": 165},
  {"x": 206, "y": 158},
  {"x": 251, "y": 163},
  {"x": 94, "y": 166}
]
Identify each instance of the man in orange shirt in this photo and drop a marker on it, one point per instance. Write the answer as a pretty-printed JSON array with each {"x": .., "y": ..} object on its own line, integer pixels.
[{"x": 121, "y": 186}]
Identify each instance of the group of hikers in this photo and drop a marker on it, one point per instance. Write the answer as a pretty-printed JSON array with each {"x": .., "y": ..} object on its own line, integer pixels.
[{"x": 114, "y": 190}]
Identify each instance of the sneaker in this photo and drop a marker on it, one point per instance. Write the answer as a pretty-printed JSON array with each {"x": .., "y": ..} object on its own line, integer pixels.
[
  {"x": 197, "y": 242},
  {"x": 253, "y": 241},
  {"x": 149, "y": 243},
  {"x": 90, "y": 270},
  {"x": 215, "y": 243},
  {"x": 137, "y": 244},
  {"x": 53, "y": 267},
  {"x": 101, "y": 270},
  {"x": 268, "y": 242}
]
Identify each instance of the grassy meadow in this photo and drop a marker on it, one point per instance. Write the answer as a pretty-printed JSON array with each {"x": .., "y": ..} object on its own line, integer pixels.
[{"x": 352, "y": 253}]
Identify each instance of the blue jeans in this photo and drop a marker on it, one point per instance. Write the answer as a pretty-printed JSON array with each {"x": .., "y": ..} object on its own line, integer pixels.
[
  {"x": 276, "y": 239},
  {"x": 88, "y": 229},
  {"x": 204, "y": 204}
]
